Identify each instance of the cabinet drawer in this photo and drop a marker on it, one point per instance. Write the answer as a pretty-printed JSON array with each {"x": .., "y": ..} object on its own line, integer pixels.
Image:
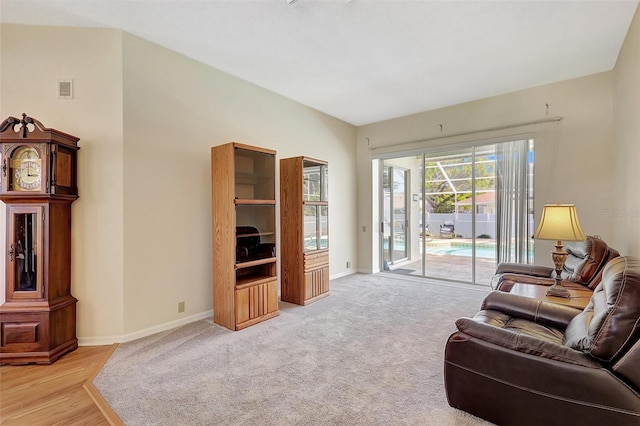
[
  {"x": 23, "y": 332},
  {"x": 256, "y": 301},
  {"x": 315, "y": 260}
]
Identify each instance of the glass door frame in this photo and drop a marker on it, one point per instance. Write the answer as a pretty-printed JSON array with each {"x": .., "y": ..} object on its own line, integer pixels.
[
  {"x": 471, "y": 151},
  {"x": 392, "y": 228},
  {"x": 14, "y": 267}
]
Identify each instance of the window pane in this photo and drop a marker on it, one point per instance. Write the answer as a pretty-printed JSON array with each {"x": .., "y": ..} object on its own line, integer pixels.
[
  {"x": 310, "y": 236},
  {"x": 324, "y": 227}
]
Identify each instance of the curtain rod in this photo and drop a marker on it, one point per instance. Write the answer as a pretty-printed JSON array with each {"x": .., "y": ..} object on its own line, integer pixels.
[{"x": 472, "y": 132}]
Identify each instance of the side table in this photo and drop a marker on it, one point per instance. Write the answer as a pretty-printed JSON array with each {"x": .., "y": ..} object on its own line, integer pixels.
[{"x": 579, "y": 298}]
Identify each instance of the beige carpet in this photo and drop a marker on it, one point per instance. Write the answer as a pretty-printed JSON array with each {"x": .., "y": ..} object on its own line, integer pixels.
[{"x": 369, "y": 354}]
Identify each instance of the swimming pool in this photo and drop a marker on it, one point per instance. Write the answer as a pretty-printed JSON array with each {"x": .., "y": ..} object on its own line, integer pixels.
[{"x": 463, "y": 250}]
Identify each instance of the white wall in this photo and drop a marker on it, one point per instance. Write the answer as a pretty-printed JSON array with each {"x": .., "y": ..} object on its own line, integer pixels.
[
  {"x": 625, "y": 213},
  {"x": 147, "y": 118},
  {"x": 574, "y": 156},
  {"x": 32, "y": 61}
]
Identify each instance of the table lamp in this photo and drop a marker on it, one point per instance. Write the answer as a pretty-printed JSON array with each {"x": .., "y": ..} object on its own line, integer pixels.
[{"x": 559, "y": 222}]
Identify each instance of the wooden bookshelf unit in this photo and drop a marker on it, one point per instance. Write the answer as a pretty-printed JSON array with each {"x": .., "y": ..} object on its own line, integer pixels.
[
  {"x": 245, "y": 276},
  {"x": 304, "y": 224}
]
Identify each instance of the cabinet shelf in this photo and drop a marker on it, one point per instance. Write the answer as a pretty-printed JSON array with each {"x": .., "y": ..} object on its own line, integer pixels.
[
  {"x": 249, "y": 202},
  {"x": 256, "y": 262},
  {"x": 253, "y": 280},
  {"x": 257, "y": 234}
]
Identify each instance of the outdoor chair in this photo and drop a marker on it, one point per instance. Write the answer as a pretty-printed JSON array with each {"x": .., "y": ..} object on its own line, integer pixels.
[{"x": 447, "y": 230}]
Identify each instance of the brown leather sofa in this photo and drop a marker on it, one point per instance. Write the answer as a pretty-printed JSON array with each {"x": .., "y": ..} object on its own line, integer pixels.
[
  {"x": 522, "y": 361},
  {"x": 583, "y": 267}
]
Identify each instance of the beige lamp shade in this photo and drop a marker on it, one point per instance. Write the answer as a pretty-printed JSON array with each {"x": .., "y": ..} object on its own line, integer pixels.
[{"x": 559, "y": 222}]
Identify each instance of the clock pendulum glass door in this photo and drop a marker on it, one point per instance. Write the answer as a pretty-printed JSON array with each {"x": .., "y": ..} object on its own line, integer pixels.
[{"x": 25, "y": 252}]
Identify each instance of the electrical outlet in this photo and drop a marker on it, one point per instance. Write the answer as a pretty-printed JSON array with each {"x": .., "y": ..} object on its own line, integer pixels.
[
  {"x": 180, "y": 307},
  {"x": 348, "y": 264}
]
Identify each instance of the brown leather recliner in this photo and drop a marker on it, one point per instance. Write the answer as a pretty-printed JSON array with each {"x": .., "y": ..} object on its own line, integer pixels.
[
  {"x": 529, "y": 362},
  {"x": 583, "y": 267}
]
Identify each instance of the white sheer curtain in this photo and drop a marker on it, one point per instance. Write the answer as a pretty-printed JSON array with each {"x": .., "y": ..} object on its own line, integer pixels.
[{"x": 514, "y": 197}]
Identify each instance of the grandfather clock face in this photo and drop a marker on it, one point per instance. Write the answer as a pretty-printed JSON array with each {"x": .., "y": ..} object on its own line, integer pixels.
[{"x": 25, "y": 169}]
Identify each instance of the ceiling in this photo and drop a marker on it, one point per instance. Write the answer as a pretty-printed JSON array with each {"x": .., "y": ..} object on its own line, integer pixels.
[{"x": 364, "y": 61}]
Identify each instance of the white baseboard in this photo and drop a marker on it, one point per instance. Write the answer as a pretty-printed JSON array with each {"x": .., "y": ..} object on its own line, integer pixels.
[
  {"x": 110, "y": 340},
  {"x": 343, "y": 274},
  {"x": 98, "y": 341}
]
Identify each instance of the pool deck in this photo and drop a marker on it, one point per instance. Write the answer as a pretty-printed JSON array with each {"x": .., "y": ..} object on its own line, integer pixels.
[{"x": 450, "y": 266}]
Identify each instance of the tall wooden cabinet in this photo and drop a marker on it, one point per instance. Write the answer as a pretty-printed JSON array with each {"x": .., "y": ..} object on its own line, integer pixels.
[
  {"x": 38, "y": 186},
  {"x": 245, "y": 279},
  {"x": 304, "y": 224}
]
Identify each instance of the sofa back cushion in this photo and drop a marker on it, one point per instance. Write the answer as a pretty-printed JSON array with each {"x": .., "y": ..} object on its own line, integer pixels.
[
  {"x": 585, "y": 261},
  {"x": 610, "y": 324},
  {"x": 597, "y": 278}
]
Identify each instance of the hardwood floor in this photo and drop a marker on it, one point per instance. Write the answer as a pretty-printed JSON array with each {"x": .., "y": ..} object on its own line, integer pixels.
[{"x": 58, "y": 394}]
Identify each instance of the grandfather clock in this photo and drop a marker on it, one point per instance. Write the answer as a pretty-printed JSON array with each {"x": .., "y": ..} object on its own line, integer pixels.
[{"x": 37, "y": 185}]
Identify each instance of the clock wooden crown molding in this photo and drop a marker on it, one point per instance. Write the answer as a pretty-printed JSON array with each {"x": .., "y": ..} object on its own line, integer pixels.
[
  {"x": 36, "y": 161},
  {"x": 38, "y": 184}
]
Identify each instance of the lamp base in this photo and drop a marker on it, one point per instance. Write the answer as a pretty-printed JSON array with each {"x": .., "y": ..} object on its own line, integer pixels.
[
  {"x": 558, "y": 256},
  {"x": 558, "y": 291}
]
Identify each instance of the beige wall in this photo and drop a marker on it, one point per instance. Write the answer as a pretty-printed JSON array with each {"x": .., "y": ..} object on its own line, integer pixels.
[
  {"x": 147, "y": 118},
  {"x": 33, "y": 59},
  {"x": 625, "y": 212},
  {"x": 573, "y": 156},
  {"x": 175, "y": 110}
]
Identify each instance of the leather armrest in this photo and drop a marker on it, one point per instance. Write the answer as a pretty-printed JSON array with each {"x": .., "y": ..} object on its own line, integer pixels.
[
  {"x": 521, "y": 268},
  {"x": 541, "y": 312},
  {"x": 522, "y": 343},
  {"x": 527, "y": 279},
  {"x": 506, "y": 281}
]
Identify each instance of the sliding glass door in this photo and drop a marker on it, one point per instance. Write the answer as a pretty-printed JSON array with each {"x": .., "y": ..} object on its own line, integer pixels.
[{"x": 467, "y": 210}]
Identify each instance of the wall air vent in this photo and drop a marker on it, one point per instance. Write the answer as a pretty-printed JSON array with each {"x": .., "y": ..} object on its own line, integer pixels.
[{"x": 65, "y": 89}]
